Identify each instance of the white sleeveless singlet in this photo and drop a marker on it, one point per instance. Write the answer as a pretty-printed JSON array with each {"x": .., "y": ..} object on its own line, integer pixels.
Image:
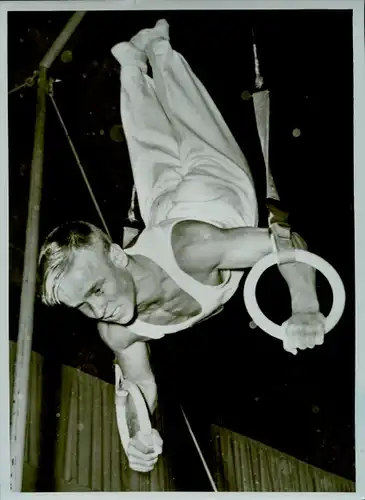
[{"x": 155, "y": 243}]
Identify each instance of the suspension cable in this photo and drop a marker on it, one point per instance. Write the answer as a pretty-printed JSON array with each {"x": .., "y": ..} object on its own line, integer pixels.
[
  {"x": 211, "y": 480},
  {"x": 83, "y": 173},
  {"x": 28, "y": 82}
]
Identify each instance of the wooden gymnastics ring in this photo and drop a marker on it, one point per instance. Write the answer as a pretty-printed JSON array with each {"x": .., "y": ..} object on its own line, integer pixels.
[
  {"x": 123, "y": 388},
  {"x": 292, "y": 255}
]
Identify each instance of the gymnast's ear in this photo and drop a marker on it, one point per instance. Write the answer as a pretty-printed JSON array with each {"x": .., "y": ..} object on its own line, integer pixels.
[{"x": 118, "y": 256}]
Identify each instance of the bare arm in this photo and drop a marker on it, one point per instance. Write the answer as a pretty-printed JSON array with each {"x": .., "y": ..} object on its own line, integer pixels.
[
  {"x": 135, "y": 365},
  {"x": 133, "y": 358},
  {"x": 212, "y": 248}
]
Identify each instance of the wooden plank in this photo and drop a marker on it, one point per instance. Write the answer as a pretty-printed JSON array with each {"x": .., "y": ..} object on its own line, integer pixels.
[
  {"x": 248, "y": 465},
  {"x": 116, "y": 456},
  {"x": 70, "y": 438},
  {"x": 35, "y": 404},
  {"x": 96, "y": 436},
  {"x": 63, "y": 416},
  {"x": 106, "y": 438},
  {"x": 85, "y": 410}
]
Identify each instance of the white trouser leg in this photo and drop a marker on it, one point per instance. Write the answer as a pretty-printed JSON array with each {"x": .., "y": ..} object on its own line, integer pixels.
[
  {"x": 194, "y": 115},
  {"x": 152, "y": 145},
  {"x": 216, "y": 174}
]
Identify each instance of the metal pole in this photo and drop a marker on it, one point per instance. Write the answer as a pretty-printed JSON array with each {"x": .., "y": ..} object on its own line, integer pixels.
[
  {"x": 25, "y": 333},
  {"x": 62, "y": 39},
  {"x": 24, "y": 345}
]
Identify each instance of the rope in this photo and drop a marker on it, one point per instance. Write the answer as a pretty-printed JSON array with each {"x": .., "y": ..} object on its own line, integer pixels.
[
  {"x": 259, "y": 81},
  {"x": 131, "y": 215},
  {"x": 211, "y": 480},
  {"x": 28, "y": 82},
  {"x": 78, "y": 161}
]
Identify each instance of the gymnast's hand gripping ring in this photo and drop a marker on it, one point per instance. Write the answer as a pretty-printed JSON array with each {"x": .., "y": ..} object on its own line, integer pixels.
[
  {"x": 249, "y": 292},
  {"x": 123, "y": 388}
]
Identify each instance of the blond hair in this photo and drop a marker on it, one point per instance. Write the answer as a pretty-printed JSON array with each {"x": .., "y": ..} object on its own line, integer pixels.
[{"x": 57, "y": 254}]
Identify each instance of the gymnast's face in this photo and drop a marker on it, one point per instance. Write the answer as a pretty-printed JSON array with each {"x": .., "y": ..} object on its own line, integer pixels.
[{"x": 99, "y": 285}]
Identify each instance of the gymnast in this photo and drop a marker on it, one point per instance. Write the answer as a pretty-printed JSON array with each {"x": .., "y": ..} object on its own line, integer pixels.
[{"x": 198, "y": 203}]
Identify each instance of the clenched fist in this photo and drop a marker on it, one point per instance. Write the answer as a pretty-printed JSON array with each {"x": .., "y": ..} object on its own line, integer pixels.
[
  {"x": 304, "y": 331},
  {"x": 143, "y": 451}
]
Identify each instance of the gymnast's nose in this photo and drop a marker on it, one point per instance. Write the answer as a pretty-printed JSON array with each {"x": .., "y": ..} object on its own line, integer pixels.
[{"x": 98, "y": 308}]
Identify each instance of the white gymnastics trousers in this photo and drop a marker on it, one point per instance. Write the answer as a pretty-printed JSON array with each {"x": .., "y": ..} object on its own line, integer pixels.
[{"x": 185, "y": 161}]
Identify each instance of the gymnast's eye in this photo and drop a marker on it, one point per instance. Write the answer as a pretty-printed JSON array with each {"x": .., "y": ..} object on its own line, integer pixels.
[{"x": 98, "y": 289}]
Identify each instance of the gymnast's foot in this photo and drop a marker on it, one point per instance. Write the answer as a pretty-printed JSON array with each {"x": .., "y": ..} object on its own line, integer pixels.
[
  {"x": 127, "y": 54},
  {"x": 144, "y": 37}
]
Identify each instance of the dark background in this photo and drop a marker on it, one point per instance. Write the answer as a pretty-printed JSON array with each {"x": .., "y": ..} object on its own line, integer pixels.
[{"x": 222, "y": 371}]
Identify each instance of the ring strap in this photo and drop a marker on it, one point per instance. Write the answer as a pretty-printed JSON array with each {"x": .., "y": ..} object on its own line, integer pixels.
[
  {"x": 280, "y": 231},
  {"x": 123, "y": 389}
]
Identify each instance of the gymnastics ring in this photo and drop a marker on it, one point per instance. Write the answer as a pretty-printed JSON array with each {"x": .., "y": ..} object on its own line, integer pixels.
[
  {"x": 249, "y": 292},
  {"x": 124, "y": 387}
]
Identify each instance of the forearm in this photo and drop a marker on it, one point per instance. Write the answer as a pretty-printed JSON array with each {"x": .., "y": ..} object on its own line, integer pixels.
[
  {"x": 149, "y": 392},
  {"x": 136, "y": 397},
  {"x": 135, "y": 366},
  {"x": 301, "y": 280}
]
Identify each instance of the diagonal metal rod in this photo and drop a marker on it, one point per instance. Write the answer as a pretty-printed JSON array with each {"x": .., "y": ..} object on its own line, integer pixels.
[
  {"x": 201, "y": 456},
  {"x": 62, "y": 39},
  {"x": 27, "y": 300}
]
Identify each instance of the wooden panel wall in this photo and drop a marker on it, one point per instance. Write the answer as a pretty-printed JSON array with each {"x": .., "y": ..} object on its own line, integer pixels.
[{"x": 88, "y": 455}]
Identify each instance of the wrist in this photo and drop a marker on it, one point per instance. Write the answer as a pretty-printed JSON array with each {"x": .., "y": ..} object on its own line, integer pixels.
[
  {"x": 306, "y": 308},
  {"x": 301, "y": 282},
  {"x": 304, "y": 301}
]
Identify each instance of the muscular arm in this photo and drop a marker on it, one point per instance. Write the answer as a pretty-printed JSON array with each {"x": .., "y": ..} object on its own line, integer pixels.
[
  {"x": 135, "y": 365},
  {"x": 133, "y": 359},
  {"x": 211, "y": 248},
  {"x": 132, "y": 356}
]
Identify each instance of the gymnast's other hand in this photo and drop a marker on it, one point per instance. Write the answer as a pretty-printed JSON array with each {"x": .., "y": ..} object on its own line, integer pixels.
[
  {"x": 304, "y": 331},
  {"x": 144, "y": 450}
]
